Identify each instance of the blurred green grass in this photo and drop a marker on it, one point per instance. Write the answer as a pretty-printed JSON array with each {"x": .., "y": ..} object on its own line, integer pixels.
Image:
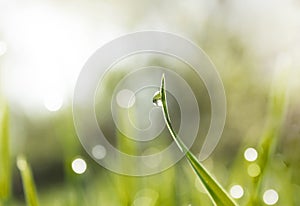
[
  {"x": 176, "y": 186},
  {"x": 28, "y": 182},
  {"x": 5, "y": 156},
  {"x": 50, "y": 145}
]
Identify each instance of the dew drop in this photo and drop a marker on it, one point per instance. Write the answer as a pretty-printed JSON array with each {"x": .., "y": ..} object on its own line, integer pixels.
[{"x": 157, "y": 99}]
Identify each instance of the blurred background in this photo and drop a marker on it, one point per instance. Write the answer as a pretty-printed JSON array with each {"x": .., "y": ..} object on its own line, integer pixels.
[{"x": 255, "y": 47}]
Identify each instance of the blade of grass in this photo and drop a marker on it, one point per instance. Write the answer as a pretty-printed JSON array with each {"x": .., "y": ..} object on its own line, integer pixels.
[
  {"x": 28, "y": 182},
  {"x": 277, "y": 109},
  {"x": 5, "y": 161},
  {"x": 217, "y": 194},
  {"x": 126, "y": 145}
]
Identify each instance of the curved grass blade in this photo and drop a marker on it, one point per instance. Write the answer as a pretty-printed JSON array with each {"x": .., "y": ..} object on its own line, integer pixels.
[
  {"x": 28, "y": 182},
  {"x": 217, "y": 194}
]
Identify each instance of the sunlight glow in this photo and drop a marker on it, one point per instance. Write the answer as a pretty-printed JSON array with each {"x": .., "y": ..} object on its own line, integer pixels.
[
  {"x": 3, "y": 48},
  {"x": 47, "y": 49},
  {"x": 53, "y": 102}
]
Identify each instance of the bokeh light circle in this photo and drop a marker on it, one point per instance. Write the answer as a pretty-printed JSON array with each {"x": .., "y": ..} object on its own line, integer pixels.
[
  {"x": 236, "y": 191},
  {"x": 250, "y": 154},
  {"x": 270, "y": 197},
  {"x": 79, "y": 166}
]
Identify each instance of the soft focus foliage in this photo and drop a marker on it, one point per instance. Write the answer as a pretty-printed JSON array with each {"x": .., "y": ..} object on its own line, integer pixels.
[{"x": 254, "y": 45}]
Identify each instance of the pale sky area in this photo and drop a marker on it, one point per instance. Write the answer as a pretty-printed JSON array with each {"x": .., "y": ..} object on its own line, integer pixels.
[{"x": 43, "y": 44}]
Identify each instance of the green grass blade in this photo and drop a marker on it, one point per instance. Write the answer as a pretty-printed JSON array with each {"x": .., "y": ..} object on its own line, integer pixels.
[
  {"x": 214, "y": 189},
  {"x": 5, "y": 161},
  {"x": 276, "y": 114},
  {"x": 28, "y": 182},
  {"x": 278, "y": 101}
]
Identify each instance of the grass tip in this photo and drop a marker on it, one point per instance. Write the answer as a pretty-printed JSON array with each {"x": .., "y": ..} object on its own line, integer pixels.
[{"x": 21, "y": 162}]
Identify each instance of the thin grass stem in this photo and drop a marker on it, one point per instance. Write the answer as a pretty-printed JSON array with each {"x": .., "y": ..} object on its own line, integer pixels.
[
  {"x": 28, "y": 182},
  {"x": 217, "y": 194},
  {"x": 5, "y": 159}
]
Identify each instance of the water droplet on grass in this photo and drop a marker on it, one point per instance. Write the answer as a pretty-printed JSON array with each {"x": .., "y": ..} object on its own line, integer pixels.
[{"x": 157, "y": 99}]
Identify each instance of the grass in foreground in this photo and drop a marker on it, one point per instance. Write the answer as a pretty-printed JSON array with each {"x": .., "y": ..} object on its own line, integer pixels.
[
  {"x": 217, "y": 194},
  {"x": 28, "y": 182},
  {"x": 5, "y": 161}
]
